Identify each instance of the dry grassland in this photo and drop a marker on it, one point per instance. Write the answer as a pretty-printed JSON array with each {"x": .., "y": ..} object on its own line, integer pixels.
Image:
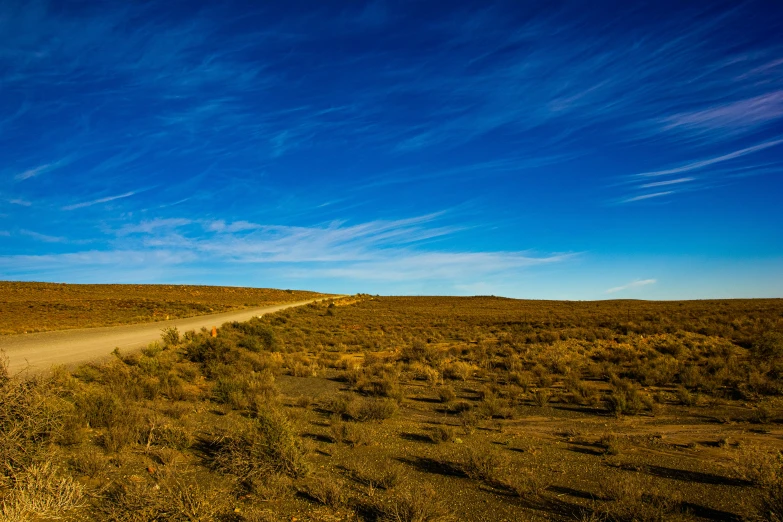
[
  {"x": 416, "y": 409},
  {"x": 38, "y": 307}
]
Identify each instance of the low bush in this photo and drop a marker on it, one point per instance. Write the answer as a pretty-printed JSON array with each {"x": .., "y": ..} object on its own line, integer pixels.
[
  {"x": 423, "y": 505},
  {"x": 267, "y": 444},
  {"x": 441, "y": 433}
]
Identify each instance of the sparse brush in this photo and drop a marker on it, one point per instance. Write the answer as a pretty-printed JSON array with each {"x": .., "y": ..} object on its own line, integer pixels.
[
  {"x": 180, "y": 496},
  {"x": 771, "y": 505},
  {"x": 446, "y": 394},
  {"x": 389, "y": 478},
  {"x": 350, "y": 434},
  {"x": 40, "y": 490},
  {"x": 327, "y": 491},
  {"x": 685, "y": 397},
  {"x": 170, "y": 336},
  {"x": 612, "y": 444},
  {"x": 441, "y": 433},
  {"x": 90, "y": 462},
  {"x": 482, "y": 464},
  {"x": 303, "y": 401},
  {"x": 758, "y": 465},
  {"x": 627, "y": 399},
  {"x": 31, "y": 417},
  {"x": 637, "y": 498},
  {"x": 458, "y": 370},
  {"x": 376, "y": 409},
  {"x": 541, "y": 398},
  {"x": 270, "y": 486},
  {"x": 468, "y": 420},
  {"x": 268, "y": 444},
  {"x": 526, "y": 482},
  {"x": 343, "y": 404},
  {"x": 522, "y": 379},
  {"x": 423, "y": 505}
]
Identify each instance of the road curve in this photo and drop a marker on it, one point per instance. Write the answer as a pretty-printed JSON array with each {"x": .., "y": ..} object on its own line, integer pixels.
[{"x": 38, "y": 352}]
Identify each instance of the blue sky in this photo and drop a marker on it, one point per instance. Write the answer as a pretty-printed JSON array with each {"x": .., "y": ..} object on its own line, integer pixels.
[{"x": 563, "y": 150}]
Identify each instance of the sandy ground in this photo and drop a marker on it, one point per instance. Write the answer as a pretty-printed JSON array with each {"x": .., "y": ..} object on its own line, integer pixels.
[{"x": 38, "y": 352}]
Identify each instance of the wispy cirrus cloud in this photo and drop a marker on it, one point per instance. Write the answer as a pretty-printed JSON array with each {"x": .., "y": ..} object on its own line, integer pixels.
[
  {"x": 667, "y": 182},
  {"x": 37, "y": 171},
  {"x": 98, "y": 201},
  {"x": 647, "y": 196},
  {"x": 381, "y": 250},
  {"x": 43, "y": 237},
  {"x": 729, "y": 118},
  {"x": 704, "y": 166},
  {"x": 631, "y": 285},
  {"x": 707, "y": 162}
]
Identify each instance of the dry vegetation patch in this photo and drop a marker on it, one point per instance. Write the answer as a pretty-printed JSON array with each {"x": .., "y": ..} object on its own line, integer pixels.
[
  {"x": 415, "y": 409},
  {"x": 38, "y": 307}
]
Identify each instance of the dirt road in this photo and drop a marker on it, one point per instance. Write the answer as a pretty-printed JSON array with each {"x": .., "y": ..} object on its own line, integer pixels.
[{"x": 38, "y": 352}]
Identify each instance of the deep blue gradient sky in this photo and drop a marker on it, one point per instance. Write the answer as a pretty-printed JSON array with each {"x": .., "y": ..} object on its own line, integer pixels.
[{"x": 529, "y": 149}]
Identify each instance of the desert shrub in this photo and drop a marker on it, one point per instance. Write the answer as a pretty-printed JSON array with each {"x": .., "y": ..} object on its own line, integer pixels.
[
  {"x": 31, "y": 416},
  {"x": 271, "y": 486},
  {"x": 755, "y": 464},
  {"x": 327, "y": 491},
  {"x": 458, "y": 370},
  {"x": 494, "y": 407},
  {"x": 771, "y": 503},
  {"x": 525, "y": 482},
  {"x": 231, "y": 391},
  {"x": 179, "y": 497},
  {"x": 543, "y": 377},
  {"x": 303, "y": 401},
  {"x": 245, "y": 391},
  {"x": 611, "y": 443},
  {"x": 636, "y": 498},
  {"x": 376, "y": 409},
  {"x": 268, "y": 444},
  {"x": 350, "y": 434},
  {"x": 768, "y": 345},
  {"x": 90, "y": 462},
  {"x": 627, "y": 399},
  {"x": 446, "y": 394},
  {"x": 441, "y": 433},
  {"x": 582, "y": 392},
  {"x": 40, "y": 490},
  {"x": 343, "y": 405},
  {"x": 419, "y": 351},
  {"x": 522, "y": 379},
  {"x": 685, "y": 397},
  {"x": 541, "y": 397},
  {"x": 690, "y": 376},
  {"x": 468, "y": 420},
  {"x": 390, "y": 477},
  {"x": 384, "y": 385},
  {"x": 264, "y": 333},
  {"x": 482, "y": 464},
  {"x": 120, "y": 433},
  {"x": 170, "y": 336},
  {"x": 423, "y": 505},
  {"x": 169, "y": 436},
  {"x": 209, "y": 349}
]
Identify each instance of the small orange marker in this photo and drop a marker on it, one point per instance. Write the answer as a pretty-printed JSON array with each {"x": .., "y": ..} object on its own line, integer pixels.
[{"x": 214, "y": 331}]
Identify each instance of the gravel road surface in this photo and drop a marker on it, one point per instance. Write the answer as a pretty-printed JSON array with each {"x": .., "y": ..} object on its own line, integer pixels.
[{"x": 38, "y": 352}]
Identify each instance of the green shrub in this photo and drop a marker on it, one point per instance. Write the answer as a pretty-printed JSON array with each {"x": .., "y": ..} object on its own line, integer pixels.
[
  {"x": 441, "y": 433},
  {"x": 268, "y": 444},
  {"x": 376, "y": 409},
  {"x": 170, "y": 336}
]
